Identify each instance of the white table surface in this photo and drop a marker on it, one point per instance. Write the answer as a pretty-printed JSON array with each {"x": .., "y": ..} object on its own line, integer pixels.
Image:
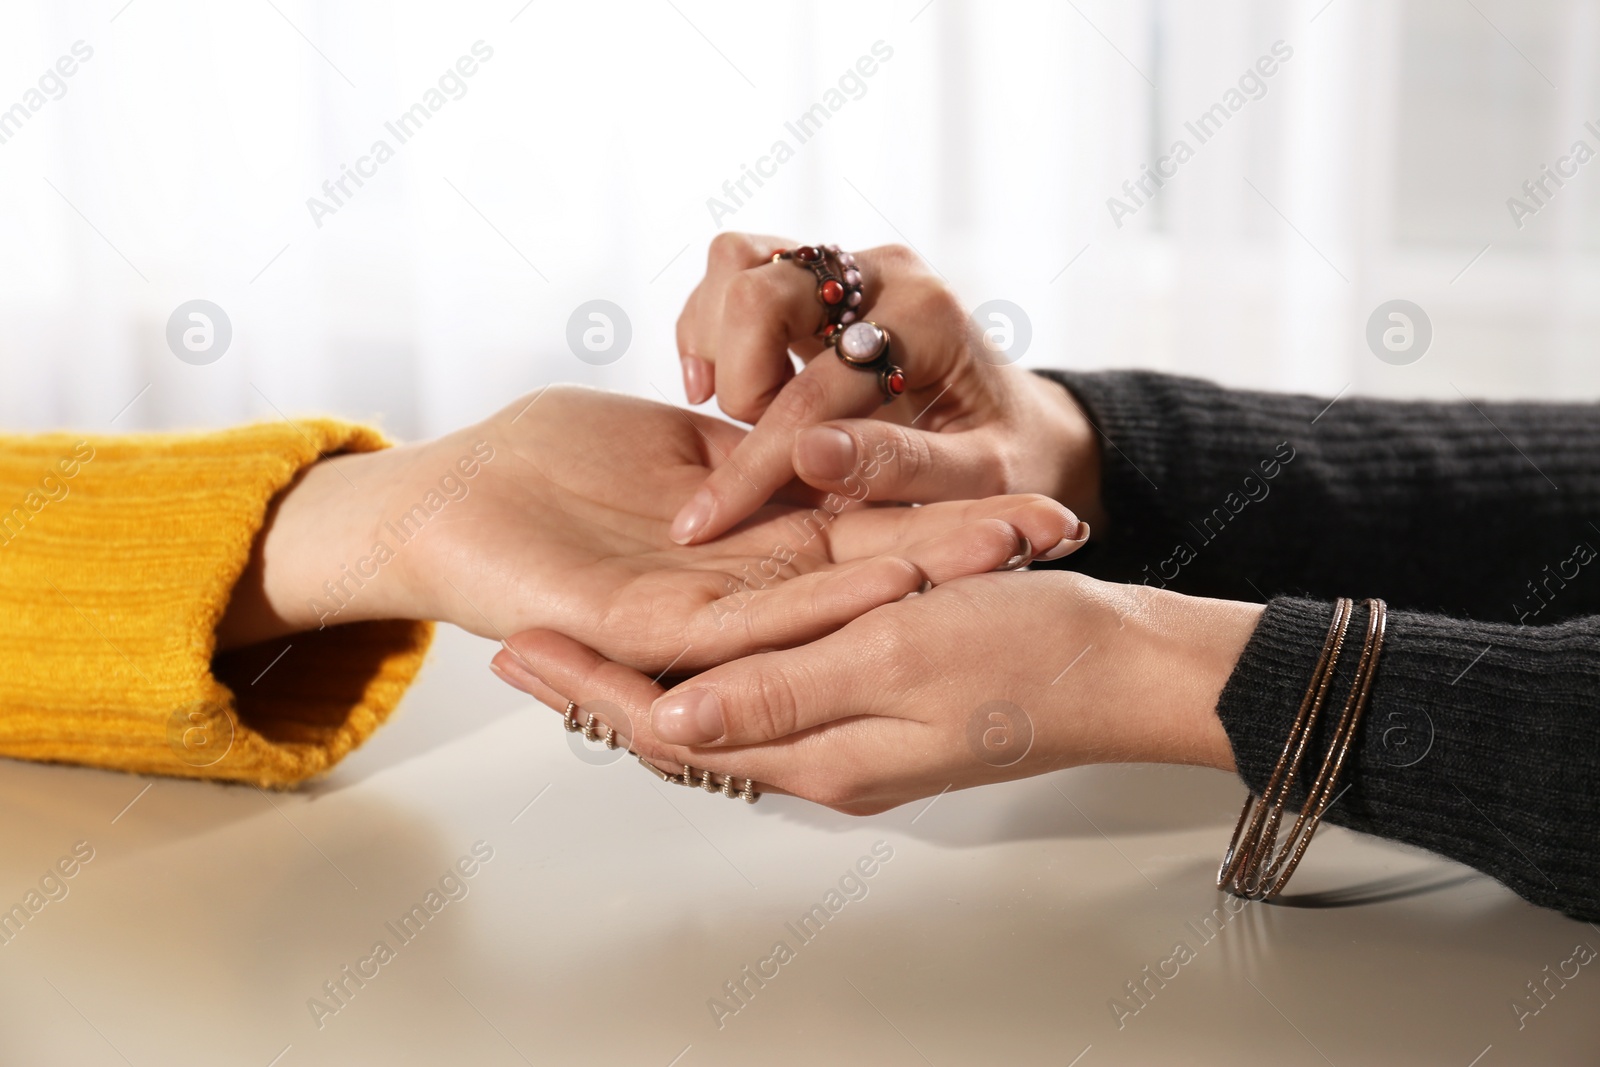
[{"x": 614, "y": 908}]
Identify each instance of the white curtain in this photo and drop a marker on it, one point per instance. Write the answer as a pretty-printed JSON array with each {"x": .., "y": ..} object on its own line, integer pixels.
[{"x": 577, "y": 161}]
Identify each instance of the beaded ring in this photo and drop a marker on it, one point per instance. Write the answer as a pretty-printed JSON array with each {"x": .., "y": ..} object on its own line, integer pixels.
[{"x": 838, "y": 283}]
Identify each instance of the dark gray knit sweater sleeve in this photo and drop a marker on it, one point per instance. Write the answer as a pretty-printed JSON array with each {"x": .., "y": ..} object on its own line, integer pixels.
[
  {"x": 1481, "y": 741},
  {"x": 1470, "y": 509},
  {"x": 1478, "y": 523}
]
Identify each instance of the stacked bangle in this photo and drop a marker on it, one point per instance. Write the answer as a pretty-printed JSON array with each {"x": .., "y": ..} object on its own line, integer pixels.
[{"x": 1250, "y": 868}]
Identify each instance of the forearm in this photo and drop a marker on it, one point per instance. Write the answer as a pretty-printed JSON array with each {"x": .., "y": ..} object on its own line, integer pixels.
[
  {"x": 1479, "y": 741},
  {"x": 1243, "y": 495},
  {"x": 315, "y": 530}
]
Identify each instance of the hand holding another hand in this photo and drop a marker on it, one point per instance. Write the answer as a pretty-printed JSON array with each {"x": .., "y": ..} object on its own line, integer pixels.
[{"x": 986, "y": 678}]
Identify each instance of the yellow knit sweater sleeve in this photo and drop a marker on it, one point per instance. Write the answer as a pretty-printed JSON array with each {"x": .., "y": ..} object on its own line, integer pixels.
[{"x": 117, "y": 559}]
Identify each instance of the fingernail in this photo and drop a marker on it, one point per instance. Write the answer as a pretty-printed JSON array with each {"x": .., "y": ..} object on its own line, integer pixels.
[
  {"x": 696, "y": 379},
  {"x": 514, "y": 674},
  {"x": 825, "y": 453},
  {"x": 1023, "y": 557},
  {"x": 693, "y": 518},
  {"x": 692, "y": 717},
  {"x": 1068, "y": 544}
]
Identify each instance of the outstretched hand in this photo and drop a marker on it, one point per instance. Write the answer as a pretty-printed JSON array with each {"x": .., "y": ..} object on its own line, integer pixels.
[{"x": 554, "y": 513}]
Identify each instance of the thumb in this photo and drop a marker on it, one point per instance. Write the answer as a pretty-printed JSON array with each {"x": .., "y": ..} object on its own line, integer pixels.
[
  {"x": 763, "y": 697},
  {"x": 898, "y": 462}
]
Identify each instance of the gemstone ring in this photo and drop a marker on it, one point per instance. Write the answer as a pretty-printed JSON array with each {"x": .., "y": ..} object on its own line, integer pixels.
[{"x": 867, "y": 346}]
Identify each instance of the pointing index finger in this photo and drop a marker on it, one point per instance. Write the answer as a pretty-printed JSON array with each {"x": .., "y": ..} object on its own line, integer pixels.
[{"x": 763, "y": 462}]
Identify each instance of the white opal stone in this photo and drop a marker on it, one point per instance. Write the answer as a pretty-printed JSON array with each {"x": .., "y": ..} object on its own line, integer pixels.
[
  {"x": 852, "y": 277},
  {"x": 855, "y": 299},
  {"x": 861, "y": 342},
  {"x": 848, "y": 259}
]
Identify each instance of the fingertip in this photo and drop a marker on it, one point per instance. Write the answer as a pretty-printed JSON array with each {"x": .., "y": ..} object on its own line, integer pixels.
[
  {"x": 509, "y": 670},
  {"x": 694, "y": 518},
  {"x": 547, "y": 659},
  {"x": 1043, "y": 520},
  {"x": 726, "y": 498},
  {"x": 687, "y": 717},
  {"x": 988, "y": 544},
  {"x": 699, "y": 385},
  {"x": 515, "y": 668},
  {"x": 1069, "y": 544},
  {"x": 824, "y": 454},
  {"x": 512, "y": 673}
]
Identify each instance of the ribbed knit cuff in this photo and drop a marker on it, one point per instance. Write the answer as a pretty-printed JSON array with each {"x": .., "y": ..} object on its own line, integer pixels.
[
  {"x": 116, "y": 564},
  {"x": 1263, "y": 695}
]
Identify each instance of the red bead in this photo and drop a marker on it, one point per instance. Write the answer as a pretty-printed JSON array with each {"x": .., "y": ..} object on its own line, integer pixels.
[
  {"x": 896, "y": 381},
  {"x": 808, "y": 253},
  {"x": 832, "y": 292}
]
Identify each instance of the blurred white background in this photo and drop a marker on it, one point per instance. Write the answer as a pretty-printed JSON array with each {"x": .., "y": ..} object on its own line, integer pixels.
[{"x": 578, "y": 161}]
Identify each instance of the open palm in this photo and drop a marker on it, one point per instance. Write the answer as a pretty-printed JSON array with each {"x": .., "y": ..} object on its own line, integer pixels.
[{"x": 566, "y": 528}]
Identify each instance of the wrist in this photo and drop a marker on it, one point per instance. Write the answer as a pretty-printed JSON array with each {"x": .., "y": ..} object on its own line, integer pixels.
[
  {"x": 297, "y": 578},
  {"x": 1154, "y": 668},
  {"x": 1072, "y": 448},
  {"x": 1197, "y": 641}
]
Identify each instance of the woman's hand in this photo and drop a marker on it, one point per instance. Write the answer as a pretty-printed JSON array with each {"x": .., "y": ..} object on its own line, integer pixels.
[
  {"x": 984, "y": 679},
  {"x": 970, "y": 425},
  {"x": 554, "y": 513}
]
